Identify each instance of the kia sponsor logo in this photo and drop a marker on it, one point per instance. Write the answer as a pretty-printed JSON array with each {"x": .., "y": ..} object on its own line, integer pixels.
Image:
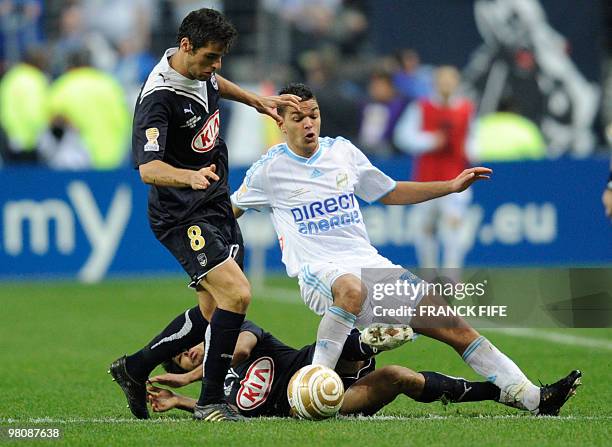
[
  {"x": 256, "y": 385},
  {"x": 207, "y": 135}
]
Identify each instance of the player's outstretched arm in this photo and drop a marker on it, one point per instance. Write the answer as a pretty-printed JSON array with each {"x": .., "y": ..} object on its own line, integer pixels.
[
  {"x": 163, "y": 400},
  {"x": 263, "y": 104},
  {"x": 159, "y": 173},
  {"x": 178, "y": 380},
  {"x": 244, "y": 346},
  {"x": 406, "y": 193}
]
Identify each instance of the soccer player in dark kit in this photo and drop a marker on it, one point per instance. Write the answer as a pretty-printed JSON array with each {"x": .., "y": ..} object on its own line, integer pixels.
[
  {"x": 178, "y": 151},
  {"x": 263, "y": 366}
]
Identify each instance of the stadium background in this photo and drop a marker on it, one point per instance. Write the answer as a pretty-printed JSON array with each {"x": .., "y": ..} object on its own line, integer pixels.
[
  {"x": 535, "y": 212},
  {"x": 67, "y": 218}
]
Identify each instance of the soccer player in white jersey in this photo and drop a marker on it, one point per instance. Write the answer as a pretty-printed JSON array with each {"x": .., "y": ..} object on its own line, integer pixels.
[{"x": 310, "y": 184}]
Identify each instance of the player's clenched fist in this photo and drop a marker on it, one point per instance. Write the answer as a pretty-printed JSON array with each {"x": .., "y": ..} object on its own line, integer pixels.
[{"x": 200, "y": 179}]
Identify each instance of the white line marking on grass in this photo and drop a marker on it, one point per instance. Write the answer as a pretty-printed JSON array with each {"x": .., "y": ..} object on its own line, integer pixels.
[
  {"x": 423, "y": 418},
  {"x": 434, "y": 417},
  {"x": 109, "y": 420},
  {"x": 555, "y": 337}
]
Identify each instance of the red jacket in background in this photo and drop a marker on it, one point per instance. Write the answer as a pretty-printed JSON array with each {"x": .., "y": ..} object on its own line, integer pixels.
[{"x": 454, "y": 120}]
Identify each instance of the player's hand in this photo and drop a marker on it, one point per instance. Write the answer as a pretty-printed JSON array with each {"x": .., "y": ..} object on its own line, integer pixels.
[
  {"x": 268, "y": 105},
  {"x": 171, "y": 380},
  {"x": 201, "y": 179},
  {"x": 161, "y": 399},
  {"x": 464, "y": 180},
  {"x": 606, "y": 199}
]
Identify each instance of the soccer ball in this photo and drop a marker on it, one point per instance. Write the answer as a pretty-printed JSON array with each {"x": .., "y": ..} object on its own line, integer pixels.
[{"x": 315, "y": 392}]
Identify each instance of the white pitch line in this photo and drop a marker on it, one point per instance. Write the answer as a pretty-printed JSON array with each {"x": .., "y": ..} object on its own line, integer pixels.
[
  {"x": 109, "y": 420},
  {"x": 424, "y": 418},
  {"x": 555, "y": 337},
  {"x": 434, "y": 417}
]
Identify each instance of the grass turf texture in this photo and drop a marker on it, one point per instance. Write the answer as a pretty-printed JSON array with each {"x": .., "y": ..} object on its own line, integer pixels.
[{"x": 58, "y": 339}]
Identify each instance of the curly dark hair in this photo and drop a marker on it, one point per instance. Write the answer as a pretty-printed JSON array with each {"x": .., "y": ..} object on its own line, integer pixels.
[
  {"x": 205, "y": 26},
  {"x": 297, "y": 89}
]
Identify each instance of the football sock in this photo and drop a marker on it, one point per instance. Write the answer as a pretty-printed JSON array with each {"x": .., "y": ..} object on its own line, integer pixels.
[
  {"x": 354, "y": 350},
  {"x": 184, "y": 332},
  {"x": 224, "y": 331},
  {"x": 455, "y": 389},
  {"x": 333, "y": 331},
  {"x": 497, "y": 368}
]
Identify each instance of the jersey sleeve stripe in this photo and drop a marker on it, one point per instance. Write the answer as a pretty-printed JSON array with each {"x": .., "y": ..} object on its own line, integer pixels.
[
  {"x": 385, "y": 193},
  {"x": 272, "y": 153}
]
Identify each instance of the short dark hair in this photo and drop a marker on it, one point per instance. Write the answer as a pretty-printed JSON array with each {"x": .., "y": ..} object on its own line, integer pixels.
[
  {"x": 297, "y": 89},
  {"x": 205, "y": 26},
  {"x": 170, "y": 366}
]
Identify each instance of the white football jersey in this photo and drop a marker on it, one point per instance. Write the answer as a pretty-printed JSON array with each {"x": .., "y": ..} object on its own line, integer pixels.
[{"x": 313, "y": 200}]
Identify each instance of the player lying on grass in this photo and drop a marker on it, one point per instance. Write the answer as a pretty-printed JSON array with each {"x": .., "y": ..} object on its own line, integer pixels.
[
  {"x": 263, "y": 365},
  {"x": 184, "y": 332},
  {"x": 310, "y": 185}
]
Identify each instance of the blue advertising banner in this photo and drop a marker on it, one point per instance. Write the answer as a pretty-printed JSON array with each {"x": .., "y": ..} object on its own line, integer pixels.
[{"x": 89, "y": 225}]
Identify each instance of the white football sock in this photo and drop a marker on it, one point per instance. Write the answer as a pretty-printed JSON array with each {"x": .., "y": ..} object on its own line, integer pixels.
[
  {"x": 489, "y": 362},
  {"x": 334, "y": 329}
]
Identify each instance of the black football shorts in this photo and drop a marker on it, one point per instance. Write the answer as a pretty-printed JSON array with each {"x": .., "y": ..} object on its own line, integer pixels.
[{"x": 200, "y": 246}]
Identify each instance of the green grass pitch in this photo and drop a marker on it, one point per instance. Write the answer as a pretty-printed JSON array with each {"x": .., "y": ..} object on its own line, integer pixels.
[{"x": 57, "y": 340}]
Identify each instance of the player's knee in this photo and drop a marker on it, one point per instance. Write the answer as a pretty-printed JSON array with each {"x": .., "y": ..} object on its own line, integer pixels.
[
  {"x": 243, "y": 296},
  {"x": 237, "y": 296},
  {"x": 351, "y": 300}
]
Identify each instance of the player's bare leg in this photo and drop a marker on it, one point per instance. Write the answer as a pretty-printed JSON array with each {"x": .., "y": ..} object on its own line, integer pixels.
[
  {"x": 454, "y": 331},
  {"x": 206, "y": 302},
  {"x": 231, "y": 291},
  {"x": 338, "y": 320},
  {"x": 488, "y": 361},
  {"x": 379, "y": 388}
]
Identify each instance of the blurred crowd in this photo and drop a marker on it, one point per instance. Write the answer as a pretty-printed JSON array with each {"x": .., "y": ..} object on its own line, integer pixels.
[{"x": 71, "y": 71}]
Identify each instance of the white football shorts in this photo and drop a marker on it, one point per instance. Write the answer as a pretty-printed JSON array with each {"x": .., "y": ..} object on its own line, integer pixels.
[{"x": 316, "y": 281}]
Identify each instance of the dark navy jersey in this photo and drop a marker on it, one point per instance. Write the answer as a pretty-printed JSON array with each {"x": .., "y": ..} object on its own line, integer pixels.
[
  {"x": 258, "y": 386},
  {"x": 176, "y": 120}
]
